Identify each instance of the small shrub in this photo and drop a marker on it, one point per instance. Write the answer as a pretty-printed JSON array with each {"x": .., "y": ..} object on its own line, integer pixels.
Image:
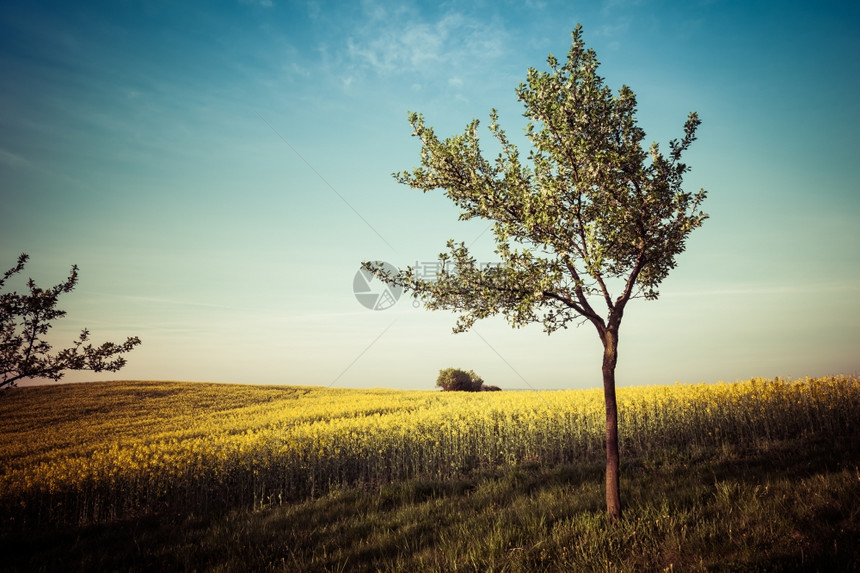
[
  {"x": 456, "y": 380},
  {"x": 490, "y": 389}
]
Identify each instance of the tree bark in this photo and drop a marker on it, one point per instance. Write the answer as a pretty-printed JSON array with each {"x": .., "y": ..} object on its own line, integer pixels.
[{"x": 610, "y": 358}]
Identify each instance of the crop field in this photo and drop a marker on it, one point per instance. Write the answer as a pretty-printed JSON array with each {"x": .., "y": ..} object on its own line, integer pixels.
[{"x": 143, "y": 459}]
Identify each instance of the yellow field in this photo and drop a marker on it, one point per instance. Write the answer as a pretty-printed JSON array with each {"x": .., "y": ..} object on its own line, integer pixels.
[{"x": 96, "y": 452}]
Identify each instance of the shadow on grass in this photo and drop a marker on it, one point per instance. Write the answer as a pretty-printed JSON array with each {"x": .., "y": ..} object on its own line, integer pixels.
[{"x": 779, "y": 507}]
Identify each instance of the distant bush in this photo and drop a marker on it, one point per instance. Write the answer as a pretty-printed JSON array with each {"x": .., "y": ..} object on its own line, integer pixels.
[
  {"x": 456, "y": 380},
  {"x": 490, "y": 389}
]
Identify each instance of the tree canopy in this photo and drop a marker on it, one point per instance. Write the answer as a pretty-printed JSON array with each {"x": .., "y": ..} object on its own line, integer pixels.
[
  {"x": 457, "y": 380},
  {"x": 593, "y": 205}
]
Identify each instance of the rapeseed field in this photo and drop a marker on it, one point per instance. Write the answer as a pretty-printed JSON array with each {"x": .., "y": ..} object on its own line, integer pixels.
[{"x": 95, "y": 453}]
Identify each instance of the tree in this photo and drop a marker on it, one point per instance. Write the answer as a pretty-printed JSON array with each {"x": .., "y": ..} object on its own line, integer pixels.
[
  {"x": 454, "y": 379},
  {"x": 592, "y": 214},
  {"x": 25, "y": 320}
]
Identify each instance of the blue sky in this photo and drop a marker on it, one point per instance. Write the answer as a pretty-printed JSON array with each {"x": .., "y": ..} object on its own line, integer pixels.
[{"x": 219, "y": 170}]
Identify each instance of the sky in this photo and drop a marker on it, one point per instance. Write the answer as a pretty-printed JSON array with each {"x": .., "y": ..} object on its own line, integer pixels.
[{"x": 219, "y": 170}]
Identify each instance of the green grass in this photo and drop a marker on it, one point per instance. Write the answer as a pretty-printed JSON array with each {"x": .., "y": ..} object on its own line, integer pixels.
[{"x": 792, "y": 506}]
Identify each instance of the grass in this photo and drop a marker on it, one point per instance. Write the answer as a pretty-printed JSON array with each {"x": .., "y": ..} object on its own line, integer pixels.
[{"x": 783, "y": 505}]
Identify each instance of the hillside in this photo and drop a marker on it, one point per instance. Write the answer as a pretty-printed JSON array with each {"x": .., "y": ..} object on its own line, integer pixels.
[{"x": 763, "y": 475}]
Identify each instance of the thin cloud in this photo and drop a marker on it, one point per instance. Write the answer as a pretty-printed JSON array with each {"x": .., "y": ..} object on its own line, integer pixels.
[
  {"x": 619, "y": 29},
  {"x": 615, "y": 6},
  {"x": 769, "y": 290},
  {"x": 12, "y": 159},
  {"x": 166, "y": 301},
  {"x": 402, "y": 42}
]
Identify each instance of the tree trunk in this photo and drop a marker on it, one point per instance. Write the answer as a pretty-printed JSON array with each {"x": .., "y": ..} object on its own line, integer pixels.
[{"x": 610, "y": 358}]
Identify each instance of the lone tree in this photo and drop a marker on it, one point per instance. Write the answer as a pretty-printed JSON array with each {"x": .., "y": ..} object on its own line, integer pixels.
[
  {"x": 24, "y": 322},
  {"x": 593, "y": 220},
  {"x": 456, "y": 380}
]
